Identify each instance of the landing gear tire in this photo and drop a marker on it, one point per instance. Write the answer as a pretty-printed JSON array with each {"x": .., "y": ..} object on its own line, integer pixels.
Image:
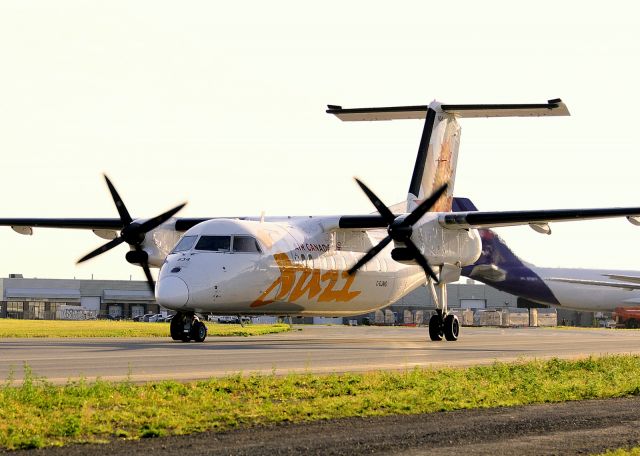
[
  {"x": 451, "y": 327},
  {"x": 187, "y": 327},
  {"x": 198, "y": 331},
  {"x": 435, "y": 328},
  {"x": 176, "y": 326}
]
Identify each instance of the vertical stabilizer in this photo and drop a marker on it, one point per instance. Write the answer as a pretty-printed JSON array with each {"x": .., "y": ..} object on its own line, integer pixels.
[{"x": 436, "y": 160}]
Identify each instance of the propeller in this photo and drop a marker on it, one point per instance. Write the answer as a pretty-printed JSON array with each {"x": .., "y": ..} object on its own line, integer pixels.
[
  {"x": 399, "y": 229},
  {"x": 133, "y": 233}
]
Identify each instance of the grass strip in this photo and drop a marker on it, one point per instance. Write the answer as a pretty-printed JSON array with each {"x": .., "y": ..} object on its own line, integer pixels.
[
  {"x": 623, "y": 452},
  {"x": 35, "y": 413},
  {"x": 107, "y": 328}
]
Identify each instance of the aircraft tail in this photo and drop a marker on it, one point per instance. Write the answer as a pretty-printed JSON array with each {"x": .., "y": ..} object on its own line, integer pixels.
[
  {"x": 499, "y": 267},
  {"x": 438, "y": 150},
  {"x": 495, "y": 251}
]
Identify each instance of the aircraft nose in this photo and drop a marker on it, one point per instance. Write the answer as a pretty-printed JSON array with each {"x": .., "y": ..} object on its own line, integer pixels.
[{"x": 172, "y": 292}]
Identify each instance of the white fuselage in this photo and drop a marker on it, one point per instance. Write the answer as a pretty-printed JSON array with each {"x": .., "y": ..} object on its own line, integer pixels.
[
  {"x": 583, "y": 295},
  {"x": 299, "y": 267}
]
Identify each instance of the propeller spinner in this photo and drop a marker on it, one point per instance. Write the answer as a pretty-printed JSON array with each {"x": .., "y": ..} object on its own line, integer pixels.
[
  {"x": 132, "y": 233},
  {"x": 399, "y": 229}
]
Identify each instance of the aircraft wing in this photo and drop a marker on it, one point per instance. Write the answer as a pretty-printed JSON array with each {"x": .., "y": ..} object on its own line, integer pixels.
[
  {"x": 480, "y": 219},
  {"x": 103, "y": 227},
  {"x": 634, "y": 279},
  {"x": 25, "y": 225},
  {"x": 598, "y": 283},
  {"x": 483, "y": 219},
  {"x": 78, "y": 223}
]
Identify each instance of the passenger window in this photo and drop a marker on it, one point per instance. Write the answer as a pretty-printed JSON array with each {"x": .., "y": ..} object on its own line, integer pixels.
[
  {"x": 185, "y": 244},
  {"x": 214, "y": 243},
  {"x": 245, "y": 244}
]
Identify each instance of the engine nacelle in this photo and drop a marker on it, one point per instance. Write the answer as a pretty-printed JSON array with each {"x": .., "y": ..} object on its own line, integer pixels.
[{"x": 445, "y": 246}]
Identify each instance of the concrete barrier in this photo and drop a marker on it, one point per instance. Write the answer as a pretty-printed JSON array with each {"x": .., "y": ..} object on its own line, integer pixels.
[
  {"x": 389, "y": 317},
  {"x": 512, "y": 317},
  {"x": 547, "y": 317},
  {"x": 485, "y": 317},
  {"x": 75, "y": 313},
  {"x": 465, "y": 316}
]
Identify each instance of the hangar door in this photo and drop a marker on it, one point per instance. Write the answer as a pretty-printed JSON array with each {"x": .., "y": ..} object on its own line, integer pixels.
[{"x": 473, "y": 303}]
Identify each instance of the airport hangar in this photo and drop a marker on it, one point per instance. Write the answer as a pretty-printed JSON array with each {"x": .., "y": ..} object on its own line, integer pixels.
[{"x": 34, "y": 298}]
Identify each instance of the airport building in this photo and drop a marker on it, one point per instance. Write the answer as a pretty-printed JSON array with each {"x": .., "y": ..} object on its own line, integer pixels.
[{"x": 61, "y": 298}]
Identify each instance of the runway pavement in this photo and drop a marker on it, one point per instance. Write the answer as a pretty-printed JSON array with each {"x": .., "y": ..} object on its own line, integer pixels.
[{"x": 319, "y": 349}]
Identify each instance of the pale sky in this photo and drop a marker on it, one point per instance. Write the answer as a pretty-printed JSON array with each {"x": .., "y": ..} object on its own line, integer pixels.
[{"x": 222, "y": 104}]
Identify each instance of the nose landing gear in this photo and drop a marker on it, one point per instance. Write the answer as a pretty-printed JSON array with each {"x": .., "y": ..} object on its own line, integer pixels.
[{"x": 186, "y": 326}]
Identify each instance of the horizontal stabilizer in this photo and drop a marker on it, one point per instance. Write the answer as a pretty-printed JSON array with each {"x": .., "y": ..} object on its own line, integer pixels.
[{"x": 552, "y": 108}]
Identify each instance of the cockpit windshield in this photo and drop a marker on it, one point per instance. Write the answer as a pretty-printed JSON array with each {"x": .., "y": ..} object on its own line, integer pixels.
[
  {"x": 245, "y": 244},
  {"x": 185, "y": 244},
  {"x": 211, "y": 243},
  {"x": 214, "y": 243}
]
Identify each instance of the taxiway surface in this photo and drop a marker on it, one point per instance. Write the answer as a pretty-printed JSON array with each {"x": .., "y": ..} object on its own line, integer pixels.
[{"x": 319, "y": 349}]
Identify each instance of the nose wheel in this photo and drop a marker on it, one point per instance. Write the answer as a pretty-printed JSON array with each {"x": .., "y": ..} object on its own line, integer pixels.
[{"x": 186, "y": 326}]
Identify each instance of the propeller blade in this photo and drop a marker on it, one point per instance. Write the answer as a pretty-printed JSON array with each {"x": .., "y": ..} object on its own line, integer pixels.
[
  {"x": 108, "y": 246},
  {"x": 145, "y": 268},
  {"x": 417, "y": 255},
  {"x": 387, "y": 215},
  {"x": 147, "y": 273},
  {"x": 369, "y": 255},
  {"x": 122, "y": 209},
  {"x": 424, "y": 207},
  {"x": 159, "y": 220}
]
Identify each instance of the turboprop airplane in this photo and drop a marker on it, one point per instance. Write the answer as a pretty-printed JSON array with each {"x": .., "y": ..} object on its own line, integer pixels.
[
  {"x": 595, "y": 290},
  {"x": 339, "y": 265}
]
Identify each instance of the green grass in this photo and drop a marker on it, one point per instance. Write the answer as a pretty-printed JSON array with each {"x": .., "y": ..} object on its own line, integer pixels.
[
  {"x": 107, "y": 328},
  {"x": 35, "y": 413},
  {"x": 623, "y": 452}
]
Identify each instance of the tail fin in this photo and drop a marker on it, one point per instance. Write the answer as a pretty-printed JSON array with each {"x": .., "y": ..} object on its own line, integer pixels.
[
  {"x": 438, "y": 150},
  {"x": 494, "y": 250},
  {"x": 499, "y": 267},
  {"x": 463, "y": 205}
]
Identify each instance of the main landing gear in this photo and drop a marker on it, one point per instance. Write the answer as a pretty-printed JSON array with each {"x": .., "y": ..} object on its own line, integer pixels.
[
  {"x": 442, "y": 323},
  {"x": 186, "y": 326}
]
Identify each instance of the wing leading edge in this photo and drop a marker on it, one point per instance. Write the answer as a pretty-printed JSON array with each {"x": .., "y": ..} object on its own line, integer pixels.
[
  {"x": 451, "y": 220},
  {"x": 466, "y": 220},
  {"x": 598, "y": 283}
]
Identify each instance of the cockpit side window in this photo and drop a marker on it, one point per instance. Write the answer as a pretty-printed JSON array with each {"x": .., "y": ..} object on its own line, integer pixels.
[
  {"x": 185, "y": 244},
  {"x": 245, "y": 244},
  {"x": 214, "y": 243}
]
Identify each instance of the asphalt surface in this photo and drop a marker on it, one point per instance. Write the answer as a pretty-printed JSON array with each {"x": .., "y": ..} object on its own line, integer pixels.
[
  {"x": 319, "y": 349},
  {"x": 586, "y": 427}
]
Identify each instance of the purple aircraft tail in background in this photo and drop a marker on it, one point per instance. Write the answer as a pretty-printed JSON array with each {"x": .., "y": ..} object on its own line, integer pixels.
[{"x": 500, "y": 268}]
